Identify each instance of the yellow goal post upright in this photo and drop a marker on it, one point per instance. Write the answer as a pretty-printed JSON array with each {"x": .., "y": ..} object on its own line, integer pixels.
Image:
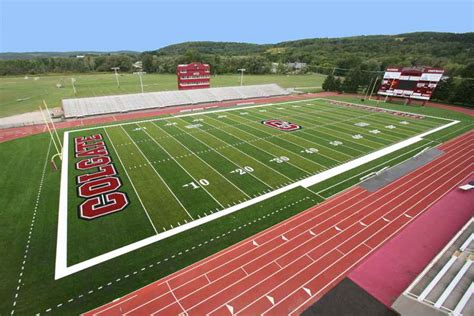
[{"x": 53, "y": 133}]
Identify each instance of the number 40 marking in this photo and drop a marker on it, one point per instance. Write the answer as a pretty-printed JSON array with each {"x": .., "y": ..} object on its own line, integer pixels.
[{"x": 194, "y": 185}]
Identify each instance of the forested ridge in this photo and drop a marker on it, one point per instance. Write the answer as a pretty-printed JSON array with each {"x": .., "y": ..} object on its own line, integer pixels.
[{"x": 454, "y": 52}]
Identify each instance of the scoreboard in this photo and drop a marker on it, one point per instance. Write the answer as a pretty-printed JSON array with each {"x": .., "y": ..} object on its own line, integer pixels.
[
  {"x": 193, "y": 76},
  {"x": 410, "y": 83}
]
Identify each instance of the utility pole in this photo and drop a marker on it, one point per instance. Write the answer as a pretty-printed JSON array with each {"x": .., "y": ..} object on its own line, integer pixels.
[
  {"x": 116, "y": 69},
  {"x": 241, "y": 75},
  {"x": 73, "y": 80},
  {"x": 140, "y": 74}
]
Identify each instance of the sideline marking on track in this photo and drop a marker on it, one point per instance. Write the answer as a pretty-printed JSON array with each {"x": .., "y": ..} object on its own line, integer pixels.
[
  {"x": 308, "y": 291},
  {"x": 230, "y": 308}
]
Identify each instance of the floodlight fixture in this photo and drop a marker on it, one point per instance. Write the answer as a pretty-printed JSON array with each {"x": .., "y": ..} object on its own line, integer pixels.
[
  {"x": 242, "y": 70},
  {"x": 116, "y": 69},
  {"x": 140, "y": 75}
]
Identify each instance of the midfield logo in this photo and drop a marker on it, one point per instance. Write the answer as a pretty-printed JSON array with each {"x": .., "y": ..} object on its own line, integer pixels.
[{"x": 282, "y": 125}]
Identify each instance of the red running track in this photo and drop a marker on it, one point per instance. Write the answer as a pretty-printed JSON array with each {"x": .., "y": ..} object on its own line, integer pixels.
[{"x": 286, "y": 268}]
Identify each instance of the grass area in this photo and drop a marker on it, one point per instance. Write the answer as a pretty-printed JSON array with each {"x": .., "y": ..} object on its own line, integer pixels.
[
  {"x": 39, "y": 292},
  {"x": 20, "y": 95}
]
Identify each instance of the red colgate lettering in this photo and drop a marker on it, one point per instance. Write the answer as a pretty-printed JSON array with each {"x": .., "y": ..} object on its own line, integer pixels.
[
  {"x": 104, "y": 171},
  {"x": 98, "y": 151},
  {"x": 93, "y": 162},
  {"x": 103, "y": 205},
  {"x": 99, "y": 187}
]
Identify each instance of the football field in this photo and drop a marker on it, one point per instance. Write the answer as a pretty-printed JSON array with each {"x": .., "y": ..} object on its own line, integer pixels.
[{"x": 128, "y": 185}]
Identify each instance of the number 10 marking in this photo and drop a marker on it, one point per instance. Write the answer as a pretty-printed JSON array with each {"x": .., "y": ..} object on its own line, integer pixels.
[{"x": 194, "y": 185}]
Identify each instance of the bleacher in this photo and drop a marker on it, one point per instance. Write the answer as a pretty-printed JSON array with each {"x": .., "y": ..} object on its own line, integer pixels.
[
  {"x": 81, "y": 107},
  {"x": 447, "y": 284}
]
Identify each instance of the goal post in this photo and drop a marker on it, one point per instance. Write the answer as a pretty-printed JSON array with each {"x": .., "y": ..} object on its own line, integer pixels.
[{"x": 55, "y": 140}]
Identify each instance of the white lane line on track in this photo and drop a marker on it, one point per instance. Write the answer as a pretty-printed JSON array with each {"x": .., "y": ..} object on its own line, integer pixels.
[
  {"x": 375, "y": 248},
  {"x": 452, "y": 143},
  {"x": 205, "y": 242},
  {"x": 317, "y": 247},
  {"x": 266, "y": 232},
  {"x": 351, "y": 225}
]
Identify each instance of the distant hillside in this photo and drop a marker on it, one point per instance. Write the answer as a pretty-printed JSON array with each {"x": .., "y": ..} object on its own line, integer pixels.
[
  {"x": 412, "y": 47},
  {"x": 231, "y": 48},
  {"x": 31, "y": 55},
  {"x": 454, "y": 52}
]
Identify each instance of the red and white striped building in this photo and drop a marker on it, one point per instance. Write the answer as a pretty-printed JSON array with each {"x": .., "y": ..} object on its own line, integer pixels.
[
  {"x": 411, "y": 83},
  {"x": 193, "y": 76}
]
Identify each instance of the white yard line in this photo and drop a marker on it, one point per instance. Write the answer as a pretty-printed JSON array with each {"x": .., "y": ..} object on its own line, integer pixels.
[
  {"x": 184, "y": 169},
  {"x": 271, "y": 144},
  {"x": 206, "y": 163},
  {"x": 223, "y": 156},
  {"x": 339, "y": 121},
  {"x": 244, "y": 153},
  {"x": 63, "y": 270},
  {"x": 156, "y": 172},
  {"x": 385, "y": 118},
  {"x": 301, "y": 139},
  {"x": 131, "y": 182},
  {"x": 278, "y": 136}
]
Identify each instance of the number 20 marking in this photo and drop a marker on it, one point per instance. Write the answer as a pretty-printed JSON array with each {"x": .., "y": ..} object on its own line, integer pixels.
[{"x": 243, "y": 170}]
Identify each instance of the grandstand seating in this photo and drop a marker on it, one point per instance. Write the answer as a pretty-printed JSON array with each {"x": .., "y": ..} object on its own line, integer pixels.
[
  {"x": 81, "y": 107},
  {"x": 447, "y": 285}
]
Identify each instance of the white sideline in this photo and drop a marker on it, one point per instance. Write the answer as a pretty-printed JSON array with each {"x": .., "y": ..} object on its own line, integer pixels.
[{"x": 63, "y": 270}]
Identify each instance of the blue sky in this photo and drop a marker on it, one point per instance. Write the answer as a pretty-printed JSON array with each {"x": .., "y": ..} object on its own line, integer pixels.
[{"x": 106, "y": 25}]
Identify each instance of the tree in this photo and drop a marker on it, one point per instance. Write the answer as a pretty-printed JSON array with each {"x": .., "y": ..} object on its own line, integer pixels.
[
  {"x": 444, "y": 91},
  {"x": 464, "y": 92},
  {"x": 353, "y": 80},
  {"x": 468, "y": 71},
  {"x": 147, "y": 62},
  {"x": 329, "y": 83},
  {"x": 338, "y": 85},
  {"x": 192, "y": 55}
]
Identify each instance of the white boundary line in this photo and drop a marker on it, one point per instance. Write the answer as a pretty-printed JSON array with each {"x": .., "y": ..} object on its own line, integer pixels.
[{"x": 63, "y": 270}]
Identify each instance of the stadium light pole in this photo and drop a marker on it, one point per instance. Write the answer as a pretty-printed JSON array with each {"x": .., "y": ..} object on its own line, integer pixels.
[
  {"x": 140, "y": 73},
  {"x": 73, "y": 80},
  {"x": 115, "y": 69},
  {"x": 241, "y": 75}
]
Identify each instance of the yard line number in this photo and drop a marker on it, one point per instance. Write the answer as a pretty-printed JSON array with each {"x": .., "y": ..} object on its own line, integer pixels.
[
  {"x": 243, "y": 170},
  {"x": 196, "y": 185},
  {"x": 310, "y": 150},
  {"x": 280, "y": 159}
]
